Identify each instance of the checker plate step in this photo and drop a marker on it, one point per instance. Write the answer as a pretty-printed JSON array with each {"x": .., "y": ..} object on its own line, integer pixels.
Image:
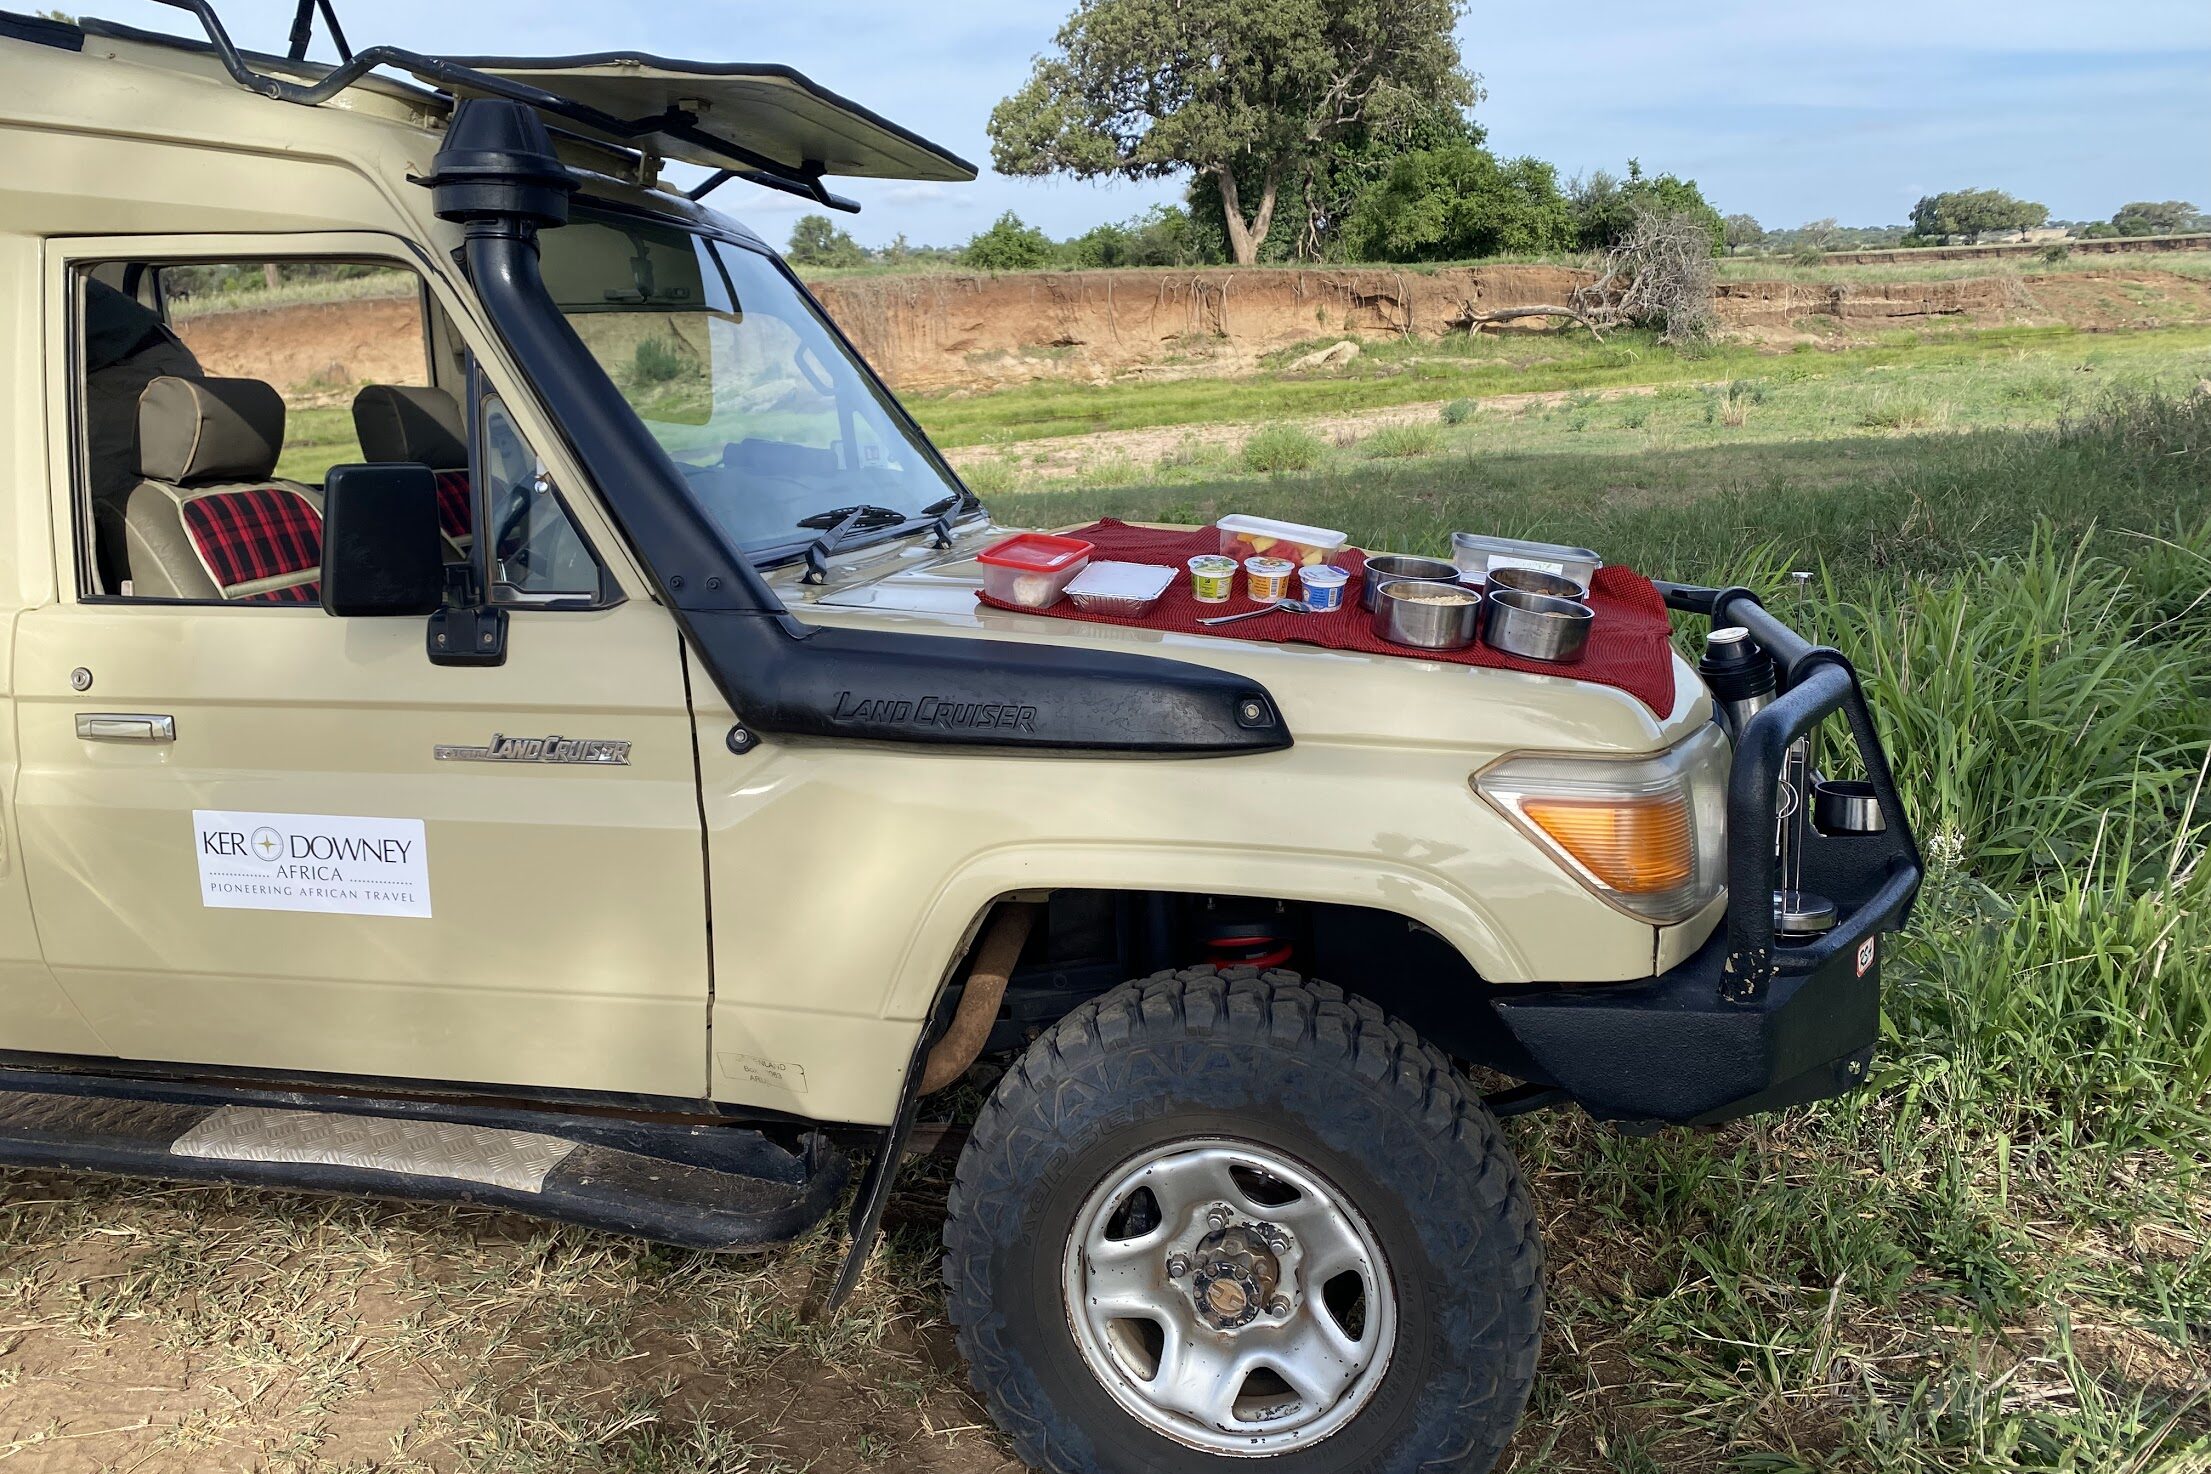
[{"x": 703, "y": 1187}]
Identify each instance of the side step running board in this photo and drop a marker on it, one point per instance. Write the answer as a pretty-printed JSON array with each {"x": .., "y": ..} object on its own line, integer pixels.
[{"x": 698, "y": 1187}]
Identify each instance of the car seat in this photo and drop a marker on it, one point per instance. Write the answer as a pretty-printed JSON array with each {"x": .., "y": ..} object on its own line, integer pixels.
[
  {"x": 421, "y": 425},
  {"x": 208, "y": 519},
  {"x": 126, "y": 347}
]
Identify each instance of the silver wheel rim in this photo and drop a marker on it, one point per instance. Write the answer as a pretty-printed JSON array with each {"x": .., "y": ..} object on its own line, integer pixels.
[{"x": 1229, "y": 1297}]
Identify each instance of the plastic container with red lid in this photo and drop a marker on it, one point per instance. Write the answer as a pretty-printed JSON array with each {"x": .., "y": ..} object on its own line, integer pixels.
[{"x": 1032, "y": 568}]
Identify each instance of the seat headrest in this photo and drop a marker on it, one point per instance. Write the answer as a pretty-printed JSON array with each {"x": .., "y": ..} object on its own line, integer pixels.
[
  {"x": 209, "y": 430},
  {"x": 399, "y": 422}
]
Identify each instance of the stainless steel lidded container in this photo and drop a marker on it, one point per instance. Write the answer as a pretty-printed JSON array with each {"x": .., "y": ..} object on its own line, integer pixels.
[
  {"x": 1384, "y": 568},
  {"x": 1427, "y": 616},
  {"x": 1477, "y": 554}
]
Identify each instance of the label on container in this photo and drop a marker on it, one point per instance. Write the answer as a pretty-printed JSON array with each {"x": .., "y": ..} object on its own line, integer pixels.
[{"x": 1538, "y": 565}]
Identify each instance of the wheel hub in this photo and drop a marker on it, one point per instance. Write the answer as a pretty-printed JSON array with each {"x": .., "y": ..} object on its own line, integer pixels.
[
  {"x": 1229, "y": 1298},
  {"x": 1237, "y": 1271}
]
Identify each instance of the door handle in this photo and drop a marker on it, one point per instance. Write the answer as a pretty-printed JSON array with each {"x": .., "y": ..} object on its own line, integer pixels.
[{"x": 108, "y": 726}]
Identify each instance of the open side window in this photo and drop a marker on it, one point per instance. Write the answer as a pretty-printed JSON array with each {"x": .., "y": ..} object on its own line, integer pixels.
[{"x": 215, "y": 396}]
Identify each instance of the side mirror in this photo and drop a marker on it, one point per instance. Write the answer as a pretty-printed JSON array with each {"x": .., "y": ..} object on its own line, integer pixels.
[{"x": 381, "y": 550}]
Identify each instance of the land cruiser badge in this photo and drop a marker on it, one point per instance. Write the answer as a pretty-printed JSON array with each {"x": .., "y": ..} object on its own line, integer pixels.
[{"x": 595, "y": 752}]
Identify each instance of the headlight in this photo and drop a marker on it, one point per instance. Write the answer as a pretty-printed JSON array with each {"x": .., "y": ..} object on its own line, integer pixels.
[{"x": 1647, "y": 834}]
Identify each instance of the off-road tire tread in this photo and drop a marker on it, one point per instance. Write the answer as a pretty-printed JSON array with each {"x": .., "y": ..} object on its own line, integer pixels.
[{"x": 1098, "y": 1040}]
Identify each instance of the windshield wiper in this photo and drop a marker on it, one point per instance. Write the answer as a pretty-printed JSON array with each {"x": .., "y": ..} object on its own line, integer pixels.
[{"x": 842, "y": 524}]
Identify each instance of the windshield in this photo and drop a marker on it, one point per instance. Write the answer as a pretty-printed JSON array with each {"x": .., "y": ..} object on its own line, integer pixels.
[{"x": 736, "y": 375}]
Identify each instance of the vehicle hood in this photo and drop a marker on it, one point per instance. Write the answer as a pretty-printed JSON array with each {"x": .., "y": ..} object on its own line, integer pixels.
[{"x": 1324, "y": 695}]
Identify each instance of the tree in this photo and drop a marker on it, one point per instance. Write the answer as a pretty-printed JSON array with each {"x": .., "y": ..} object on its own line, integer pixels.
[
  {"x": 1458, "y": 203},
  {"x": 1973, "y": 213},
  {"x": 1242, "y": 93},
  {"x": 1741, "y": 231},
  {"x": 2156, "y": 217},
  {"x": 1330, "y": 181},
  {"x": 818, "y": 241},
  {"x": 1009, "y": 246},
  {"x": 1606, "y": 208}
]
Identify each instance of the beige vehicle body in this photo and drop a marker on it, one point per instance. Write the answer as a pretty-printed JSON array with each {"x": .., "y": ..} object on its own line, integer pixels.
[{"x": 768, "y": 929}]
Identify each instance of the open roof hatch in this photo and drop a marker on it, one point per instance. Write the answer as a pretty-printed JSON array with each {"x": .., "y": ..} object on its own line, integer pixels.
[
  {"x": 772, "y": 110},
  {"x": 765, "y": 124}
]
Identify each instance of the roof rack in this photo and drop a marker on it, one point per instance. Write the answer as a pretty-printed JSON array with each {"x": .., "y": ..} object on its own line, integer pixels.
[{"x": 784, "y": 108}]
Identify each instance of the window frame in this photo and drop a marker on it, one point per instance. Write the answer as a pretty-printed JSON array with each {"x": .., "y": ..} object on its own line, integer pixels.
[{"x": 440, "y": 302}]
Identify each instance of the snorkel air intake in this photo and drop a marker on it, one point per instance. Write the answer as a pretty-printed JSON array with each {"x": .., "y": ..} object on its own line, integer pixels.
[{"x": 498, "y": 178}]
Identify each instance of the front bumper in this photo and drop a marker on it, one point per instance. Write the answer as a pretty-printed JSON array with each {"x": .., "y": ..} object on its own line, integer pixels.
[{"x": 1749, "y": 1022}]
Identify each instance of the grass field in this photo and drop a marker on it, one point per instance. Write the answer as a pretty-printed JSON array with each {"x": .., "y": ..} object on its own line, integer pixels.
[
  {"x": 1996, "y": 1259},
  {"x": 2031, "y": 362}
]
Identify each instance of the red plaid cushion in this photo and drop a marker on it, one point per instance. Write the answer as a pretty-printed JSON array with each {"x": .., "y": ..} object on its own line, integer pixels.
[
  {"x": 261, "y": 532},
  {"x": 454, "y": 516}
]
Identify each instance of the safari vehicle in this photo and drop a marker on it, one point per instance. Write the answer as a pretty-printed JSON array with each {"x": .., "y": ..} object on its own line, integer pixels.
[{"x": 601, "y": 794}]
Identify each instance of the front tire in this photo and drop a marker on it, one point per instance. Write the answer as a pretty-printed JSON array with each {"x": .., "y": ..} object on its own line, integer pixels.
[{"x": 1212, "y": 1216}]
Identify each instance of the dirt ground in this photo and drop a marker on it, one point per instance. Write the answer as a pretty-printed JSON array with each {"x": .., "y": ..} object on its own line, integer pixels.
[
  {"x": 168, "y": 1329},
  {"x": 307, "y": 349},
  {"x": 1061, "y": 456}
]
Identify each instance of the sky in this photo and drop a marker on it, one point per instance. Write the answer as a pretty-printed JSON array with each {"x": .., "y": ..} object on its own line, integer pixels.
[{"x": 1790, "y": 110}]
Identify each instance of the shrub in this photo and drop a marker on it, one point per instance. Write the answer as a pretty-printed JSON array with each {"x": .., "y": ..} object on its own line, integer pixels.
[
  {"x": 1398, "y": 442},
  {"x": 816, "y": 240},
  {"x": 1458, "y": 412},
  {"x": 1279, "y": 448},
  {"x": 656, "y": 361},
  {"x": 1008, "y": 246}
]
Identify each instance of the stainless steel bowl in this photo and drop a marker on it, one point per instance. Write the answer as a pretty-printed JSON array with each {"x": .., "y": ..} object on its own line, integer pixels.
[
  {"x": 1846, "y": 806},
  {"x": 1536, "y": 581},
  {"x": 1535, "y": 626},
  {"x": 1427, "y": 615},
  {"x": 1385, "y": 568}
]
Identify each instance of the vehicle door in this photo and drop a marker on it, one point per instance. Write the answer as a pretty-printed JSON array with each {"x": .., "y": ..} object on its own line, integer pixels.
[{"x": 261, "y": 836}]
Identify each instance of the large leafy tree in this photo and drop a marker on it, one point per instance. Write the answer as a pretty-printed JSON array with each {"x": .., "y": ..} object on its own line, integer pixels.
[
  {"x": 1245, "y": 94},
  {"x": 2157, "y": 217},
  {"x": 1972, "y": 212}
]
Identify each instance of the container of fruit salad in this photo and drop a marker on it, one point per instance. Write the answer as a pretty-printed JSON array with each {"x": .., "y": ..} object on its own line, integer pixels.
[{"x": 1251, "y": 537}]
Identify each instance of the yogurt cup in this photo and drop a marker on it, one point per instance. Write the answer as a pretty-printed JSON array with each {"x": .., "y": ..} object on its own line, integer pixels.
[
  {"x": 1324, "y": 585},
  {"x": 1269, "y": 579},
  {"x": 1212, "y": 578}
]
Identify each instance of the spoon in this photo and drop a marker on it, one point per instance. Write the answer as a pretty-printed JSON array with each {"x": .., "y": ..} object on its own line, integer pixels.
[{"x": 1285, "y": 606}]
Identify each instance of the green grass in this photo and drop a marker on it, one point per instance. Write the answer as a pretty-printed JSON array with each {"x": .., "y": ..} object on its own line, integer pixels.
[
  {"x": 1279, "y": 448},
  {"x": 1393, "y": 373},
  {"x": 2193, "y": 264}
]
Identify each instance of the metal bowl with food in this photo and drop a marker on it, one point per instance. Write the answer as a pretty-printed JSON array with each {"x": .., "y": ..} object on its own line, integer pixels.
[
  {"x": 1386, "y": 568},
  {"x": 1536, "y": 581},
  {"x": 1427, "y": 615},
  {"x": 1535, "y": 626}
]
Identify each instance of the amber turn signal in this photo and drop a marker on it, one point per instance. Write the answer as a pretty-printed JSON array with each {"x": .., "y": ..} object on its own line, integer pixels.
[{"x": 1637, "y": 848}]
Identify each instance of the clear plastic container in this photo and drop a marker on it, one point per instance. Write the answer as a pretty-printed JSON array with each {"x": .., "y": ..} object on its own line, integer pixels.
[
  {"x": 1247, "y": 537},
  {"x": 1119, "y": 588},
  {"x": 1476, "y": 554},
  {"x": 1031, "y": 569}
]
